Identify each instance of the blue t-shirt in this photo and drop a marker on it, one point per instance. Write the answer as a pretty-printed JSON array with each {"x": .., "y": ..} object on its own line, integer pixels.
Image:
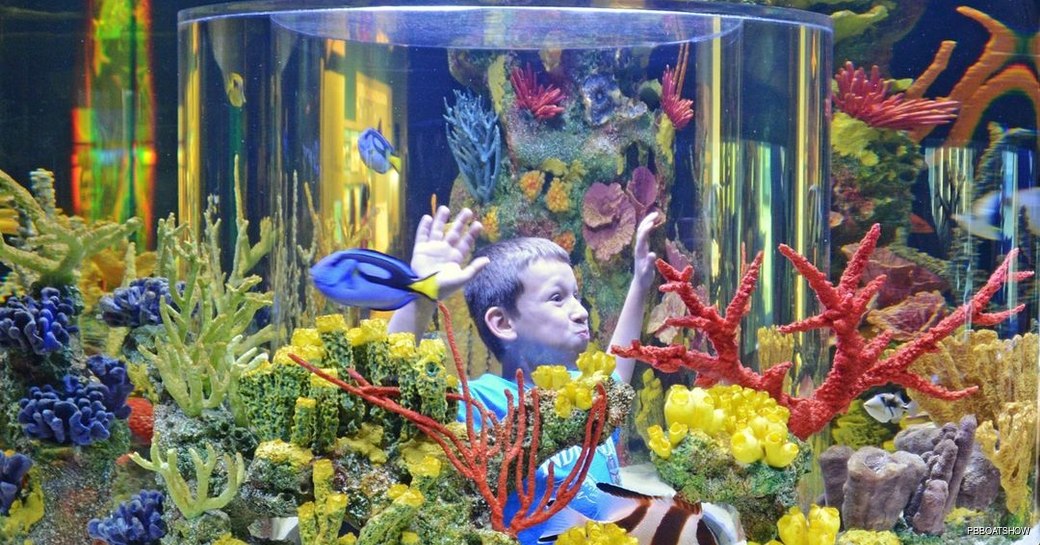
[{"x": 490, "y": 390}]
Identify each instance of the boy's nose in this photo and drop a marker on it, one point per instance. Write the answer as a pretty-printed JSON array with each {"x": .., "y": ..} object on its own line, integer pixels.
[{"x": 578, "y": 312}]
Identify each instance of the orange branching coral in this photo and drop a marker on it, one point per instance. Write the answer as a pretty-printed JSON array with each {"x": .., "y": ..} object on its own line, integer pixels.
[
  {"x": 859, "y": 364},
  {"x": 1008, "y": 64},
  {"x": 531, "y": 184}
]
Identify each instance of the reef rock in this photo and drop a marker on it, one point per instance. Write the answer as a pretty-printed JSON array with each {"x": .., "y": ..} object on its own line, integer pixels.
[{"x": 878, "y": 487}]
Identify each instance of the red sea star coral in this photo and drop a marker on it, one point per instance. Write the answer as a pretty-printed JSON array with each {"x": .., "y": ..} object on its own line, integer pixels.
[
  {"x": 542, "y": 101},
  {"x": 868, "y": 100}
]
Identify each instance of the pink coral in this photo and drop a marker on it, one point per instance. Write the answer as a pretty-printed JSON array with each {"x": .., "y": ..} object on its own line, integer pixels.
[
  {"x": 867, "y": 99},
  {"x": 543, "y": 101},
  {"x": 609, "y": 219},
  {"x": 911, "y": 317},
  {"x": 905, "y": 277},
  {"x": 642, "y": 189}
]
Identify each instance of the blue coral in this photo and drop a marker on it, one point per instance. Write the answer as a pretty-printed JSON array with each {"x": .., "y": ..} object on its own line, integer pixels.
[
  {"x": 112, "y": 373},
  {"x": 475, "y": 141},
  {"x": 39, "y": 325},
  {"x": 77, "y": 414},
  {"x": 13, "y": 469},
  {"x": 137, "y": 304},
  {"x": 137, "y": 521}
]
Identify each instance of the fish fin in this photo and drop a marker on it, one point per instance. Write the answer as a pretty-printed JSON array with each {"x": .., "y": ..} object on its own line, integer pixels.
[
  {"x": 977, "y": 226},
  {"x": 395, "y": 162},
  {"x": 617, "y": 491},
  {"x": 398, "y": 303},
  {"x": 986, "y": 207},
  {"x": 566, "y": 519},
  {"x": 427, "y": 287},
  {"x": 1030, "y": 200},
  {"x": 724, "y": 522},
  {"x": 374, "y": 271}
]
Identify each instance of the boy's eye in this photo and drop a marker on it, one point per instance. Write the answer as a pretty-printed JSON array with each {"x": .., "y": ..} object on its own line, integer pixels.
[{"x": 556, "y": 297}]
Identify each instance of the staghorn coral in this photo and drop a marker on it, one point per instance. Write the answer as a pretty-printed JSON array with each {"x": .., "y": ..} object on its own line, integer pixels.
[
  {"x": 475, "y": 142},
  {"x": 57, "y": 245},
  {"x": 137, "y": 304},
  {"x": 608, "y": 220},
  {"x": 137, "y": 521},
  {"x": 14, "y": 468},
  {"x": 39, "y": 325},
  {"x": 193, "y": 505}
]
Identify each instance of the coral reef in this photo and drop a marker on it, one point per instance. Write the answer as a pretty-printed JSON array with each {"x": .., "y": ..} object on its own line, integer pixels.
[
  {"x": 542, "y": 101},
  {"x": 475, "y": 141},
  {"x": 868, "y": 99},
  {"x": 137, "y": 304},
  {"x": 858, "y": 363},
  {"x": 137, "y": 521},
  {"x": 13, "y": 470}
]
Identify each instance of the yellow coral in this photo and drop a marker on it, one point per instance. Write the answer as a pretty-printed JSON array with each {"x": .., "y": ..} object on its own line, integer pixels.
[
  {"x": 403, "y": 494},
  {"x": 821, "y": 528},
  {"x": 531, "y": 184},
  {"x": 370, "y": 331},
  {"x": 429, "y": 467},
  {"x": 595, "y": 364},
  {"x": 280, "y": 452},
  {"x": 748, "y": 421},
  {"x": 566, "y": 241},
  {"x": 596, "y": 533},
  {"x": 432, "y": 350},
  {"x": 558, "y": 199},
  {"x": 330, "y": 323},
  {"x": 658, "y": 443},
  {"x": 305, "y": 336},
  {"x": 550, "y": 377},
  {"x": 367, "y": 441},
  {"x": 554, "y": 166},
  {"x": 868, "y": 537},
  {"x": 409, "y": 538},
  {"x": 311, "y": 353},
  {"x": 402, "y": 345},
  {"x": 650, "y": 404},
  {"x": 490, "y": 223},
  {"x": 1015, "y": 433},
  {"x": 850, "y": 136}
]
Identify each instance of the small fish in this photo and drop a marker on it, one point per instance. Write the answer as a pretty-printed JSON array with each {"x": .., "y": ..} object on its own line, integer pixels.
[
  {"x": 377, "y": 152},
  {"x": 889, "y": 407},
  {"x": 234, "y": 86},
  {"x": 920, "y": 226},
  {"x": 653, "y": 520},
  {"x": 370, "y": 279},
  {"x": 984, "y": 213}
]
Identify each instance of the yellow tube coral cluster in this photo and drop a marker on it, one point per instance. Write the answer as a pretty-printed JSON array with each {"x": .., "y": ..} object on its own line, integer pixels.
[
  {"x": 404, "y": 494},
  {"x": 370, "y": 331},
  {"x": 749, "y": 421},
  {"x": 820, "y": 528},
  {"x": 596, "y": 533},
  {"x": 595, "y": 366},
  {"x": 306, "y": 343}
]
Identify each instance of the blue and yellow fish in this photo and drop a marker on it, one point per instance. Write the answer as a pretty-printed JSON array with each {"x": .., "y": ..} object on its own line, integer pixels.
[
  {"x": 377, "y": 152},
  {"x": 370, "y": 279}
]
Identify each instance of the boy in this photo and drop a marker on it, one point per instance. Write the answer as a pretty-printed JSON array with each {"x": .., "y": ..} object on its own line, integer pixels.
[{"x": 523, "y": 296}]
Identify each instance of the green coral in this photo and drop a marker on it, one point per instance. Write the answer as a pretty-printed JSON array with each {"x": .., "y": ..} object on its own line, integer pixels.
[
  {"x": 858, "y": 429},
  {"x": 848, "y": 24},
  {"x": 321, "y": 519},
  {"x": 701, "y": 468},
  {"x": 851, "y": 137},
  {"x": 192, "y": 505},
  {"x": 268, "y": 394},
  {"x": 56, "y": 245}
]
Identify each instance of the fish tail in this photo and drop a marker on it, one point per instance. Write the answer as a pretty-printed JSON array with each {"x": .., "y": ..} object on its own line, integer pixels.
[
  {"x": 395, "y": 163},
  {"x": 427, "y": 286}
]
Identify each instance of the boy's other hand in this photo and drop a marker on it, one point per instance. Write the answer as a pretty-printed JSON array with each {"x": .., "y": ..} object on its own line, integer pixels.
[
  {"x": 443, "y": 250},
  {"x": 643, "y": 273}
]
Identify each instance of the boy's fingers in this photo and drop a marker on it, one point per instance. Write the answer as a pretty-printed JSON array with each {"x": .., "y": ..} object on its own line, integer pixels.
[
  {"x": 466, "y": 244},
  {"x": 456, "y": 229},
  {"x": 422, "y": 232},
  {"x": 437, "y": 229},
  {"x": 473, "y": 268}
]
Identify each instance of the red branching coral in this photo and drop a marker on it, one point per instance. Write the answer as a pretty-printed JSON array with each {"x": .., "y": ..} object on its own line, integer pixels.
[
  {"x": 858, "y": 363},
  {"x": 542, "y": 101},
  {"x": 679, "y": 110},
  {"x": 867, "y": 99},
  {"x": 506, "y": 442}
]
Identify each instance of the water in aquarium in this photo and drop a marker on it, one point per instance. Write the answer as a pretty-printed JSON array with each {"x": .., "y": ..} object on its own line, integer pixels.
[{"x": 625, "y": 272}]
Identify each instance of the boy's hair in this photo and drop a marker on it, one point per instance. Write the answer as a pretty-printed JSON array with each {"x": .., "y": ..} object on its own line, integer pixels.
[{"x": 498, "y": 284}]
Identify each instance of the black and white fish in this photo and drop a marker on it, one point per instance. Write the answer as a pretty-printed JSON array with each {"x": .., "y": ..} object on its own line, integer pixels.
[
  {"x": 987, "y": 212},
  {"x": 653, "y": 520},
  {"x": 889, "y": 407}
]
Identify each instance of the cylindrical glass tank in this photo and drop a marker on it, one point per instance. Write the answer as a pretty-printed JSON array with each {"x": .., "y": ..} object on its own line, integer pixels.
[{"x": 343, "y": 123}]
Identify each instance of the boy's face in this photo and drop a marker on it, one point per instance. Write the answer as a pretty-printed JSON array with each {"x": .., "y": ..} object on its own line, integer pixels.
[{"x": 551, "y": 325}]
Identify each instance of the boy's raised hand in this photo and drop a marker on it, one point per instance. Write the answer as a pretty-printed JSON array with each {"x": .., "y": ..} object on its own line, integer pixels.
[
  {"x": 443, "y": 251},
  {"x": 643, "y": 273}
]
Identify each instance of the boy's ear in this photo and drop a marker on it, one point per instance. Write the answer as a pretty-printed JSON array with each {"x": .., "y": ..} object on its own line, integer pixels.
[{"x": 499, "y": 324}]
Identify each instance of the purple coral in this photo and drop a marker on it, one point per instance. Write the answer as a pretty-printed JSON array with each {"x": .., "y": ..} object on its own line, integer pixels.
[
  {"x": 41, "y": 326},
  {"x": 112, "y": 373},
  {"x": 642, "y": 189},
  {"x": 137, "y": 304},
  {"x": 608, "y": 219},
  {"x": 13, "y": 469},
  {"x": 77, "y": 414},
  {"x": 137, "y": 521}
]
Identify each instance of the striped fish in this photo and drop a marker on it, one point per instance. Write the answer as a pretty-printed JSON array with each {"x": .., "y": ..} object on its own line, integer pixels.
[{"x": 653, "y": 520}]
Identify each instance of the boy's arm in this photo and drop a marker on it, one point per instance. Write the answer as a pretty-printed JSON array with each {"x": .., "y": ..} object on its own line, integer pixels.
[
  {"x": 442, "y": 252},
  {"x": 630, "y": 322}
]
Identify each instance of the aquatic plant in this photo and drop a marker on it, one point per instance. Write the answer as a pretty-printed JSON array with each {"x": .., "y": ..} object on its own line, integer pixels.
[
  {"x": 75, "y": 414},
  {"x": 868, "y": 99},
  {"x": 13, "y": 469},
  {"x": 542, "y": 101},
  {"x": 137, "y": 521},
  {"x": 57, "y": 245},
  {"x": 38, "y": 325},
  {"x": 608, "y": 220},
  {"x": 190, "y": 504},
  {"x": 475, "y": 142},
  {"x": 137, "y": 304},
  {"x": 500, "y": 452},
  {"x": 858, "y": 363}
]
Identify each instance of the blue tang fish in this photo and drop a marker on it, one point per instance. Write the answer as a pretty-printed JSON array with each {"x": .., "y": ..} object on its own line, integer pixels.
[
  {"x": 377, "y": 152},
  {"x": 370, "y": 279}
]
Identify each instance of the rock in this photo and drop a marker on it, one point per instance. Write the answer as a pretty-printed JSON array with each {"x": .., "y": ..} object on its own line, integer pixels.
[
  {"x": 879, "y": 486},
  {"x": 834, "y": 466}
]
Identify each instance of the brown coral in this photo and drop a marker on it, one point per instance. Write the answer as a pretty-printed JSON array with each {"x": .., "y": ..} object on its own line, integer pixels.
[{"x": 609, "y": 219}]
